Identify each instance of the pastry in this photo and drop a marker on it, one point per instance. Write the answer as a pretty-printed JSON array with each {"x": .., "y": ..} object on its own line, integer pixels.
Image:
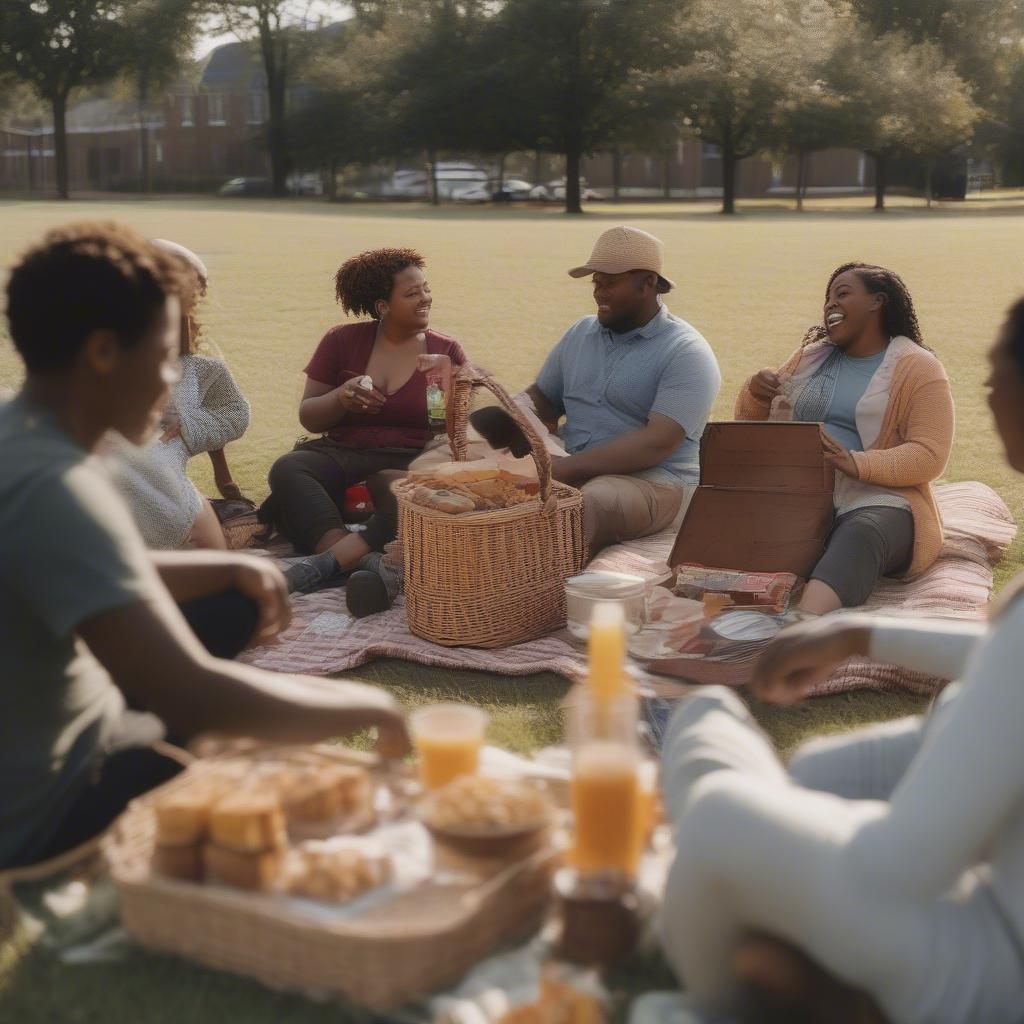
[
  {"x": 182, "y": 862},
  {"x": 320, "y": 794},
  {"x": 471, "y": 802},
  {"x": 253, "y": 869},
  {"x": 339, "y": 874},
  {"x": 183, "y": 815},
  {"x": 248, "y": 822}
]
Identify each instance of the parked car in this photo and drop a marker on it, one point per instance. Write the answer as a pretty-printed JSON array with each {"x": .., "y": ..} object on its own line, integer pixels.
[
  {"x": 514, "y": 190},
  {"x": 246, "y": 187},
  {"x": 452, "y": 177},
  {"x": 308, "y": 184},
  {"x": 554, "y": 192}
]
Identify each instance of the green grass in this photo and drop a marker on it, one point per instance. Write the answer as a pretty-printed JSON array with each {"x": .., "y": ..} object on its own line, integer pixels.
[{"x": 751, "y": 284}]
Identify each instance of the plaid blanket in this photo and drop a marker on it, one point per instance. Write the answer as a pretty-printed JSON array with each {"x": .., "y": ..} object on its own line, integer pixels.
[{"x": 324, "y": 640}]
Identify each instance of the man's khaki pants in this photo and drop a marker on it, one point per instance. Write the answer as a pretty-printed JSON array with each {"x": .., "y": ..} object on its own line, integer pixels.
[{"x": 621, "y": 508}]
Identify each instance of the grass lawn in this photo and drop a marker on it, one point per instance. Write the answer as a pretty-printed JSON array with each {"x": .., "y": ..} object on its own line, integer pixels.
[{"x": 751, "y": 284}]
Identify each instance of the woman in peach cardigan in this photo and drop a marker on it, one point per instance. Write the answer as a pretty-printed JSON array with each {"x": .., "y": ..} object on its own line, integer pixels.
[{"x": 885, "y": 403}]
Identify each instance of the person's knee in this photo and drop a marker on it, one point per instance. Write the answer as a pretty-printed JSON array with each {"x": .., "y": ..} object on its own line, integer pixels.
[
  {"x": 714, "y": 817},
  {"x": 705, "y": 701},
  {"x": 284, "y": 470}
]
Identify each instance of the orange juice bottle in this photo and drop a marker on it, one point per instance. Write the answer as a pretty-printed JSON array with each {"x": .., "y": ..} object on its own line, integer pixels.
[{"x": 606, "y": 797}]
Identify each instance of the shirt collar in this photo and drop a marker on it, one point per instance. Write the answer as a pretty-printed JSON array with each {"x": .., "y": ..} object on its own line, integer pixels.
[{"x": 649, "y": 329}]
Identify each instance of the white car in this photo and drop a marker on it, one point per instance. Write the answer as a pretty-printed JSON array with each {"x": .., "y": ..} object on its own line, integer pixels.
[{"x": 554, "y": 192}]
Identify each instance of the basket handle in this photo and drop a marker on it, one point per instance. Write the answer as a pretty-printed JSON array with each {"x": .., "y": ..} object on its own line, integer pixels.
[{"x": 464, "y": 381}]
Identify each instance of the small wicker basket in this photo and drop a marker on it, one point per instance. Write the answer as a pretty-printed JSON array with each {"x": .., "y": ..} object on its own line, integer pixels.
[{"x": 494, "y": 578}]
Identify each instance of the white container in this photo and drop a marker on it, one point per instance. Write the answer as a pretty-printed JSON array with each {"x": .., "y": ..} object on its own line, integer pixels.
[{"x": 588, "y": 589}]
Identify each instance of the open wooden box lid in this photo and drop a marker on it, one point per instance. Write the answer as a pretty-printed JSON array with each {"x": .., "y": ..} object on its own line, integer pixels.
[{"x": 769, "y": 455}]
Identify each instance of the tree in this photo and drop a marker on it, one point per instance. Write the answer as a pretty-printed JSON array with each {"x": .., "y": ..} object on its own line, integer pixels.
[
  {"x": 731, "y": 70},
  {"x": 565, "y": 66},
  {"x": 272, "y": 26},
  {"x": 910, "y": 99},
  {"x": 158, "y": 41},
  {"x": 58, "y": 46},
  {"x": 813, "y": 112}
]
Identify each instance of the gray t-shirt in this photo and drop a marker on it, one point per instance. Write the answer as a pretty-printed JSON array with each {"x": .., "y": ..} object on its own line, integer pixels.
[
  {"x": 609, "y": 384},
  {"x": 68, "y": 552}
]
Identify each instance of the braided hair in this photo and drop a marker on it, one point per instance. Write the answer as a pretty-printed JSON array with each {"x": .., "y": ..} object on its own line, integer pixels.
[{"x": 898, "y": 314}]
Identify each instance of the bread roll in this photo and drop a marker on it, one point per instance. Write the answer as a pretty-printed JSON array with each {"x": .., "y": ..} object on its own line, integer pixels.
[
  {"x": 182, "y": 862},
  {"x": 326, "y": 793},
  {"x": 243, "y": 869},
  {"x": 339, "y": 874},
  {"x": 248, "y": 822},
  {"x": 183, "y": 815}
]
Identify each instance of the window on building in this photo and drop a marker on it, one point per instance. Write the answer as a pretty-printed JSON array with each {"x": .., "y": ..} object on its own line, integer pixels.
[
  {"x": 158, "y": 151},
  {"x": 187, "y": 112},
  {"x": 257, "y": 107},
  {"x": 215, "y": 108},
  {"x": 711, "y": 151}
]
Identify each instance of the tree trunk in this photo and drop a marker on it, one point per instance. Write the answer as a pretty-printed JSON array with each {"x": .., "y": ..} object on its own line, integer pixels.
[
  {"x": 572, "y": 179},
  {"x": 145, "y": 171},
  {"x": 929, "y": 164},
  {"x": 538, "y": 166},
  {"x": 801, "y": 179},
  {"x": 501, "y": 171},
  {"x": 616, "y": 173},
  {"x": 666, "y": 177},
  {"x": 881, "y": 162},
  {"x": 435, "y": 197},
  {"x": 275, "y": 67},
  {"x": 60, "y": 144},
  {"x": 31, "y": 164},
  {"x": 729, "y": 162},
  {"x": 332, "y": 181}
]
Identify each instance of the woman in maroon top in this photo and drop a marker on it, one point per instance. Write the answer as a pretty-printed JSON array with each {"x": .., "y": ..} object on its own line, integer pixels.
[{"x": 364, "y": 430}]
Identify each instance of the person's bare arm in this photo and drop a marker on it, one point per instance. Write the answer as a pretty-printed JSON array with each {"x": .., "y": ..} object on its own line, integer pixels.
[
  {"x": 188, "y": 575},
  {"x": 323, "y": 407},
  {"x": 158, "y": 664},
  {"x": 631, "y": 453},
  {"x": 546, "y": 412}
]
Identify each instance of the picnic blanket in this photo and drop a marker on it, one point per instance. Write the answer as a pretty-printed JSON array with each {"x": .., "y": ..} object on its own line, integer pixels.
[{"x": 324, "y": 640}]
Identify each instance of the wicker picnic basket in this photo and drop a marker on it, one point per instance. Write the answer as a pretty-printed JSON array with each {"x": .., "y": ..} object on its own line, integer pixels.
[
  {"x": 394, "y": 952},
  {"x": 493, "y": 578}
]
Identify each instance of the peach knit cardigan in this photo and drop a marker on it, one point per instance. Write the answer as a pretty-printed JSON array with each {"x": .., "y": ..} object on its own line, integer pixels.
[{"x": 915, "y": 424}]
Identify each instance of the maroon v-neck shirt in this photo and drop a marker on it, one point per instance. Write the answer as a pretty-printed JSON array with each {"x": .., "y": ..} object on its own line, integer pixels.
[{"x": 344, "y": 353}]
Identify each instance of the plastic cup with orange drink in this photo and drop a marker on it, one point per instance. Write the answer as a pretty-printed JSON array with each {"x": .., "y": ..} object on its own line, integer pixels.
[{"x": 448, "y": 738}]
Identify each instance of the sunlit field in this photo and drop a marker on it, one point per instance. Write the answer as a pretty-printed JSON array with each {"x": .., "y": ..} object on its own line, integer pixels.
[{"x": 751, "y": 284}]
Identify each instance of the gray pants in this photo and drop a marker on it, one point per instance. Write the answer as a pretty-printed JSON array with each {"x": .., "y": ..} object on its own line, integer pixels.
[
  {"x": 864, "y": 545},
  {"x": 760, "y": 849}
]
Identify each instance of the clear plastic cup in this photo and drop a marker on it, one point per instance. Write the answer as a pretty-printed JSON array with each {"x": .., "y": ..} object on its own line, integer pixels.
[{"x": 448, "y": 738}]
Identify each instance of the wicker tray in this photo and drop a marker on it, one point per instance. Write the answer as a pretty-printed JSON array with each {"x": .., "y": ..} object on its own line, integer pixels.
[{"x": 398, "y": 950}]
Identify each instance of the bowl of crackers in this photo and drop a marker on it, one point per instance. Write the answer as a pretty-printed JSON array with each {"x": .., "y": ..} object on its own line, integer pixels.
[{"x": 478, "y": 816}]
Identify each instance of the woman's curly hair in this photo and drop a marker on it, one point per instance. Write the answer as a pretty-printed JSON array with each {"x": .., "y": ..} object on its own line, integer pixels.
[
  {"x": 898, "y": 314},
  {"x": 364, "y": 280}
]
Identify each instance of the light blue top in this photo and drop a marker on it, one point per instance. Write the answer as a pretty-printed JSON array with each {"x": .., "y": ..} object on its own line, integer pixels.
[
  {"x": 852, "y": 382},
  {"x": 608, "y": 384}
]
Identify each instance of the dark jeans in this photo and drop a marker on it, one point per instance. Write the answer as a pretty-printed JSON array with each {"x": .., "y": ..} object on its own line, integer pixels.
[
  {"x": 224, "y": 623},
  {"x": 308, "y": 491},
  {"x": 863, "y": 546}
]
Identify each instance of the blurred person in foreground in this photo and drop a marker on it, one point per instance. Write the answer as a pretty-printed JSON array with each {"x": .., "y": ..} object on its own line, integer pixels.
[
  {"x": 883, "y": 872},
  {"x": 90, "y": 622}
]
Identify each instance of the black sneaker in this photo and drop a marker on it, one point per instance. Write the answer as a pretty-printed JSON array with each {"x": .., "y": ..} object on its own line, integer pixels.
[{"x": 366, "y": 594}]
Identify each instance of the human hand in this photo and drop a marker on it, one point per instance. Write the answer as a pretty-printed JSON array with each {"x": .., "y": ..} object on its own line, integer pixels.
[
  {"x": 805, "y": 654},
  {"x": 393, "y": 741},
  {"x": 765, "y": 385},
  {"x": 261, "y": 580},
  {"x": 171, "y": 424},
  {"x": 838, "y": 456},
  {"x": 354, "y": 398}
]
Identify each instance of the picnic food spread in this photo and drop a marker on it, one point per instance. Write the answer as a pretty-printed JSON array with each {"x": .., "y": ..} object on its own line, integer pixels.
[
  {"x": 459, "y": 487},
  {"x": 482, "y": 805},
  {"x": 236, "y": 832}
]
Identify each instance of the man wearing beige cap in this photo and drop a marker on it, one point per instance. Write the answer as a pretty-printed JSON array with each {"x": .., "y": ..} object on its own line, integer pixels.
[{"x": 635, "y": 385}]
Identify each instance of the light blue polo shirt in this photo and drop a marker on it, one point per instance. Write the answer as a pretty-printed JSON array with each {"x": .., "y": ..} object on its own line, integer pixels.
[{"x": 608, "y": 384}]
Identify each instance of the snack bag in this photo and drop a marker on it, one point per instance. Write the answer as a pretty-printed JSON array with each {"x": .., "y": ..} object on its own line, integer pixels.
[
  {"x": 438, "y": 371},
  {"x": 720, "y": 588}
]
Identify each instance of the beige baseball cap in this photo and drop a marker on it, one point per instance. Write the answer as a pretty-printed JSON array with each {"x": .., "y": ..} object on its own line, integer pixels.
[{"x": 621, "y": 249}]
